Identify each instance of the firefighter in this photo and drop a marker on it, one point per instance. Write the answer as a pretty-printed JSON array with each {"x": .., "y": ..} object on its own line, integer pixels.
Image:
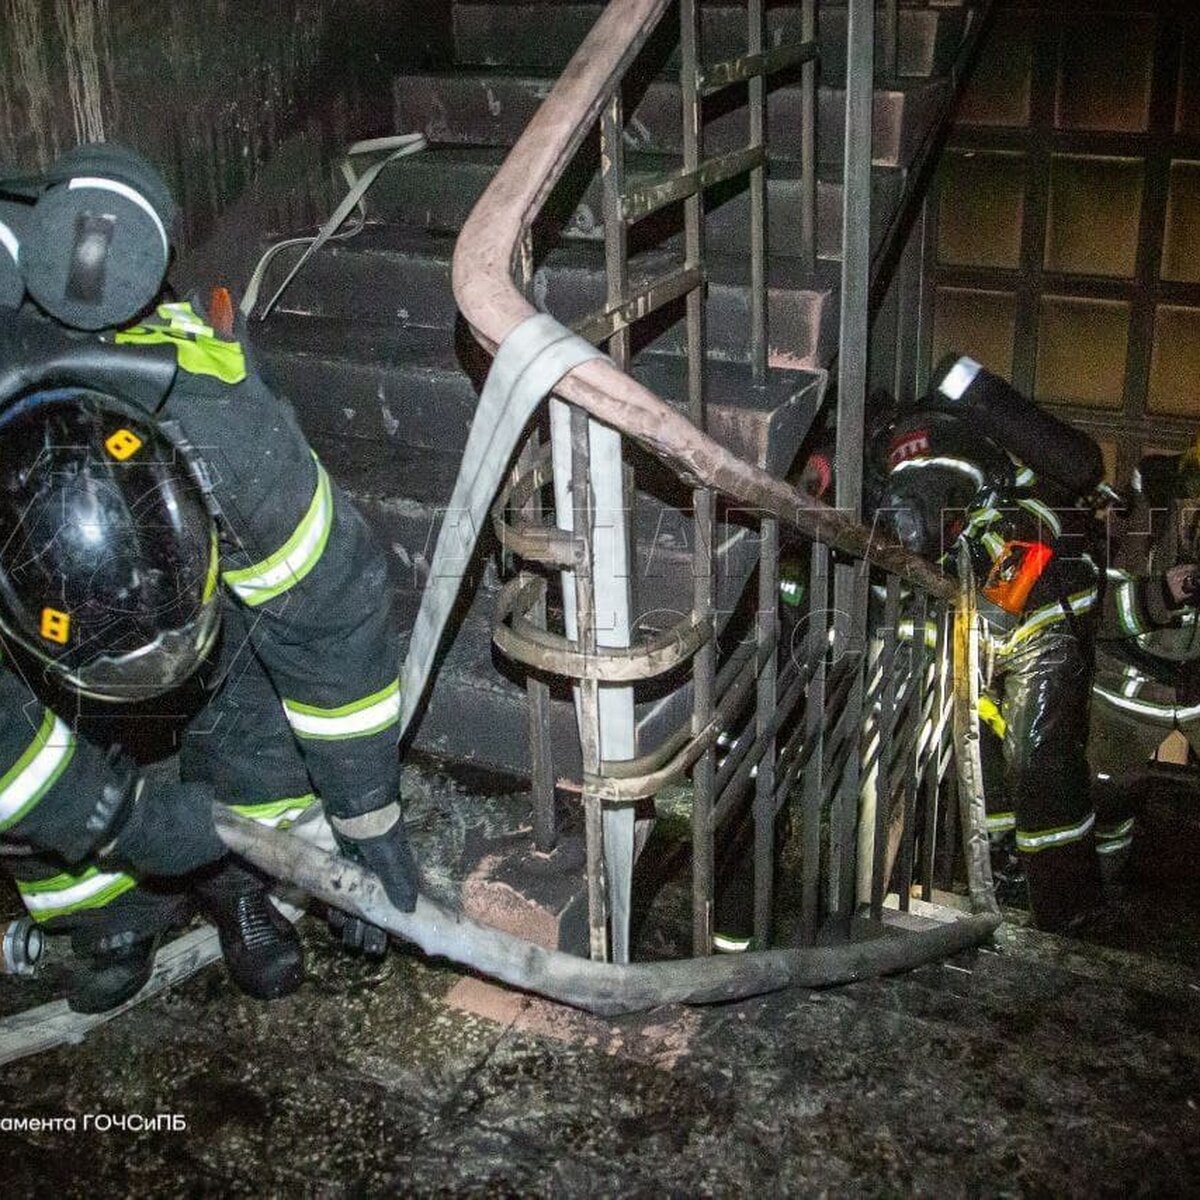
[
  {"x": 945, "y": 482},
  {"x": 170, "y": 547},
  {"x": 1148, "y": 649}
]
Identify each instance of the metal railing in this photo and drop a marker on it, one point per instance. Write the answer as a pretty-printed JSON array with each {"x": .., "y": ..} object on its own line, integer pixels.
[{"x": 799, "y": 727}]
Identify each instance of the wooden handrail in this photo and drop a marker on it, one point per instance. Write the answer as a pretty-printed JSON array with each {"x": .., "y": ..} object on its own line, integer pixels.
[{"x": 486, "y": 259}]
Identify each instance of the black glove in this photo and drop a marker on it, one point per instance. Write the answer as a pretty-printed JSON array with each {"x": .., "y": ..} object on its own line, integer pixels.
[
  {"x": 377, "y": 840},
  {"x": 165, "y": 830}
]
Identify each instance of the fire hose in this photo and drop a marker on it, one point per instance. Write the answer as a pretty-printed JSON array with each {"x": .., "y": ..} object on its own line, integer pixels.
[{"x": 608, "y": 989}]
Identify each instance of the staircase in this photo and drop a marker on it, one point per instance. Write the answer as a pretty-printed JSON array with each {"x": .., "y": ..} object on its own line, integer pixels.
[{"x": 368, "y": 345}]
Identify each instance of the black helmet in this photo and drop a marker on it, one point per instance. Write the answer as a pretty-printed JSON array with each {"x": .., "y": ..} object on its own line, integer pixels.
[
  {"x": 108, "y": 550},
  {"x": 924, "y": 470}
]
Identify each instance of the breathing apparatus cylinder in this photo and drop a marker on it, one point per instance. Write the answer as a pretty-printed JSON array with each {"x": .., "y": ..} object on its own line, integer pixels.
[{"x": 1057, "y": 452}]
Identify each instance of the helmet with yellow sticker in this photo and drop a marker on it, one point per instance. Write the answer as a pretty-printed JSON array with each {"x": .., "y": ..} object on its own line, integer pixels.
[{"x": 108, "y": 549}]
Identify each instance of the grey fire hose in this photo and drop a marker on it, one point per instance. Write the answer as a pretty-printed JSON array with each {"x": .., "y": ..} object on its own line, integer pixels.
[
  {"x": 599, "y": 987},
  {"x": 530, "y": 361}
]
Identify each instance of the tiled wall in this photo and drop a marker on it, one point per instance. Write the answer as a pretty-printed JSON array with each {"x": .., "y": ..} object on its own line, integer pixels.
[{"x": 1068, "y": 243}]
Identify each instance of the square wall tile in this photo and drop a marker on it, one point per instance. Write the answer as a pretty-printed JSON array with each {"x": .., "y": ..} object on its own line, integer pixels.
[
  {"x": 1175, "y": 362},
  {"x": 1105, "y": 63},
  {"x": 1181, "y": 237},
  {"x": 981, "y": 209},
  {"x": 1093, "y": 214},
  {"x": 1187, "y": 103},
  {"x": 980, "y": 324},
  {"x": 1081, "y": 351},
  {"x": 998, "y": 90}
]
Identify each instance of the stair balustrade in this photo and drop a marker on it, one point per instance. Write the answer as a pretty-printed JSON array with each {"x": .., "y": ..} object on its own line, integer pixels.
[{"x": 864, "y": 728}]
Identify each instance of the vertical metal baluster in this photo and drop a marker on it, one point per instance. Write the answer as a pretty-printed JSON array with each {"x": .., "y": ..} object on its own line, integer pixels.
[
  {"x": 808, "y": 141},
  {"x": 703, "y": 664},
  {"x": 850, "y": 581},
  {"x": 541, "y": 759},
  {"x": 926, "y": 291},
  {"x": 758, "y": 203},
  {"x": 843, "y": 873},
  {"x": 941, "y": 697},
  {"x": 891, "y": 38},
  {"x": 817, "y": 650},
  {"x": 764, "y": 794},
  {"x": 768, "y": 562},
  {"x": 856, "y": 264},
  {"x": 887, "y": 729},
  {"x": 919, "y": 658},
  {"x": 617, "y": 725},
  {"x": 908, "y": 318},
  {"x": 589, "y": 691}
]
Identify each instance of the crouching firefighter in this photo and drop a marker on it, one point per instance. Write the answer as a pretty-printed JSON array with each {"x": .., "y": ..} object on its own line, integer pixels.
[
  {"x": 1148, "y": 651},
  {"x": 976, "y": 469},
  {"x": 170, "y": 549}
]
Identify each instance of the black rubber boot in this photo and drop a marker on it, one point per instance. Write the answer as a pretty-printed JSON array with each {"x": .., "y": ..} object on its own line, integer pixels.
[
  {"x": 110, "y": 973},
  {"x": 261, "y": 949}
]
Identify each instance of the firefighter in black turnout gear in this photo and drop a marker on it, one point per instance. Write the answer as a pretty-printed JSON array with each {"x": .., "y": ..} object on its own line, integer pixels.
[
  {"x": 1148, "y": 650},
  {"x": 956, "y": 475},
  {"x": 171, "y": 548}
]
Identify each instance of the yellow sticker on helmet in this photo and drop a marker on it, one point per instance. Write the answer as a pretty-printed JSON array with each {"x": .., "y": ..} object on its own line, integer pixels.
[
  {"x": 56, "y": 626},
  {"x": 123, "y": 444}
]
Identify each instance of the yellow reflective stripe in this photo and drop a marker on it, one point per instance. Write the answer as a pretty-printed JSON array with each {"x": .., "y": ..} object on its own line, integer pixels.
[
  {"x": 197, "y": 354},
  {"x": 214, "y": 569},
  {"x": 1165, "y": 713},
  {"x": 1109, "y": 832},
  {"x": 45, "y": 899},
  {"x": 989, "y": 713},
  {"x": 980, "y": 518},
  {"x": 1127, "y": 609},
  {"x": 1065, "y": 835},
  {"x": 728, "y": 943},
  {"x": 278, "y": 814},
  {"x": 1025, "y": 477},
  {"x": 293, "y": 560},
  {"x": 1048, "y": 614},
  {"x": 360, "y": 718},
  {"x": 37, "y": 770},
  {"x": 1043, "y": 513},
  {"x": 1001, "y": 822},
  {"x": 994, "y": 544}
]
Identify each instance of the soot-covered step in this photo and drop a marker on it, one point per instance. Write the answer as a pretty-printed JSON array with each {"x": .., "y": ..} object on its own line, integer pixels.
[
  {"x": 438, "y": 189},
  {"x": 397, "y": 276},
  {"x": 492, "y": 108},
  {"x": 397, "y": 393},
  {"x": 498, "y": 35}
]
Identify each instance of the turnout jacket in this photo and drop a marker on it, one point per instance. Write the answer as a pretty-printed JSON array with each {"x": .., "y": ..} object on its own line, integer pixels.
[
  {"x": 1148, "y": 649},
  {"x": 295, "y": 557},
  {"x": 949, "y": 485}
]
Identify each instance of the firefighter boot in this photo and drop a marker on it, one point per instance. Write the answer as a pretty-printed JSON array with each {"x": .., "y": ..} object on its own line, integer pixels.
[
  {"x": 262, "y": 951},
  {"x": 111, "y": 971}
]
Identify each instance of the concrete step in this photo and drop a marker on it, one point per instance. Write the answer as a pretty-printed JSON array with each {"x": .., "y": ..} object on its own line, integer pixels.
[
  {"x": 355, "y": 389},
  {"x": 401, "y": 276},
  {"x": 390, "y": 389},
  {"x": 438, "y": 189},
  {"x": 498, "y": 35},
  {"x": 492, "y": 108}
]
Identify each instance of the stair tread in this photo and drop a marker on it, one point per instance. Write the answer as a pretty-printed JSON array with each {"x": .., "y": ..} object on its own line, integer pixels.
[
  {"x": 493, "y": 105},
  {"x": 435, "y": 246},
  {"x": 387, "y": 387},
  {"x": 487, "y": 34}
]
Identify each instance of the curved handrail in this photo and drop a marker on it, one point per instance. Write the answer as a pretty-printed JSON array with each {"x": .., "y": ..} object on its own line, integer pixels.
[{"x": 486, "y": 257}]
